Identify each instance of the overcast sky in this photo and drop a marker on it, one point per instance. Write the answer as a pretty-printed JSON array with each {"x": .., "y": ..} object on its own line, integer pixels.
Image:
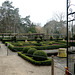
[{"x": 40, "y": 11}]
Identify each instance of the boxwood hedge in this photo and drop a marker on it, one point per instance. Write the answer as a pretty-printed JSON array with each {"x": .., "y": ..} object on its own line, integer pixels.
[
  {"x": 29, "y": 59},
  {"x": 31, "y": 51},
  {"x": 72, "y": 43},
  {"x": 39, "y": 55},
  {"x": 50, "y": 47},
  {"x": 26, "y": 49},
  {"x": 14, "y": 48}
]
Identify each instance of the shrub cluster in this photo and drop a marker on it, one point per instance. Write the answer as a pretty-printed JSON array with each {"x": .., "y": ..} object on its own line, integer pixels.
[
  {"x": 35, "y": 38},
  {"x": 6, "y": 40},
  {"x": 31, "y": 51},
  {"x": 33, "y": 42},
  {"x": 38, "y": 40},
  {"x": 45, "y": 62},
  {"x": 72, "y": 43},
  {"x": 51, "y": 38},
  {"x": 21, "y": 43},
  {"x": 14, "y": 38},
  {"x": 41, "y": 37},
  {"x": 50, "y": 47},
  {"x": 57, "y": 37},
  {"x": 39, "y": 44},
  {"x": 50, "y": 43},
  {"x": 13, "y": 48},
  {"x": 26, "y": 49},
  {"x": 39, "y": 55}
]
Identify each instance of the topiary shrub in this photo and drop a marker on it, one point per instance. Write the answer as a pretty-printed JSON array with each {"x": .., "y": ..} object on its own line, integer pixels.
[
  {"x": 57, "y": 37},
  {"x": 39, "y": 55},
  {"x": 33, "y": 42},
  {"x": 50, "y": 43},
  {"x": 38, "y": 40},
  {"x": 51, "y": 38},
  {"x": 39, "y": 63},
  {"x": 14, "y": 38},
  {"x": 26, "y": 49},
  {"x": 39, "y": 44},
  {"x": 41, "y": 37},
  {"x": 31, "y": 51}
]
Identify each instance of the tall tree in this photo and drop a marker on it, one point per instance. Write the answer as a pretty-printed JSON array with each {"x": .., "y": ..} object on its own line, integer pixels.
[{"x": 9, "y": 17}]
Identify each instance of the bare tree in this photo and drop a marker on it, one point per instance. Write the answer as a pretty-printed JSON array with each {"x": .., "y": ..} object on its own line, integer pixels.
[
  {"x": 57, "y": 25},
  {"x": 39, "y": 29},
  {"x": 60, "y": 16}
]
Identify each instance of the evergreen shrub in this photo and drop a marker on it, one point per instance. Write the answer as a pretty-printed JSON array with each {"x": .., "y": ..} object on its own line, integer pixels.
[
  {"x": 51, "y": 38},
  {"x": 50, "y": 43},
  {"x": 40, "y": 63},
  {"x": 31, "y": 51},
  {"x": 39, "y": 55},
  {"x": 38, "y": 40},
  {"x": 26, "y": 49}
]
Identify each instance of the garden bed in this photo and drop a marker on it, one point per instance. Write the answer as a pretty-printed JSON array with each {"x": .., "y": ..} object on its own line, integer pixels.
[
  {"x": 47, "y": 47},
  {"x": 72, "y": 42},
  {"x": 31, "y": 60}
]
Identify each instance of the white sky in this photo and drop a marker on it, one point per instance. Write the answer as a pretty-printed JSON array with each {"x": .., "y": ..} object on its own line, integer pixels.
[{"x": 40, "y": 11}]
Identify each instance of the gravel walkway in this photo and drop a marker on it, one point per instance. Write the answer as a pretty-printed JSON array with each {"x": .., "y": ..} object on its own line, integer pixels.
[
  {"x": 15, "y": 65},
  {"x": 56, "y": 50}
]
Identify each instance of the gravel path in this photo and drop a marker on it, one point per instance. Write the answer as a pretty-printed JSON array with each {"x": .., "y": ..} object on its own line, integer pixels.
[
  {"x": 4, "y": 50},
  {"x": 15, "y": 65},
  {"x": 56, "y": 50}
]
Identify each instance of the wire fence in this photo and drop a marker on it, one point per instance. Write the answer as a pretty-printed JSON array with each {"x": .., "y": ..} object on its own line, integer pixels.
[
  {"x": 59, "y": 65},
  {"x": 71, "y": 61}
]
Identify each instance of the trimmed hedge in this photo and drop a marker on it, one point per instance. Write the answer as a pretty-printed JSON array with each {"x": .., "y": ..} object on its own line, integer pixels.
[
  {"x": 72, "y": 43},
  {"x": 39, "y": 55},
  {"x": 31, "y": 51},
  {"x": 50, "y": 43},
  {"x": 40, "y": 63},
  {"x": 61, "y": 44},
  {"x": 26, "y": 49},
  {"x": 13, "y": 48},
  {"x": 51, "y": 38},
  {"x": 38, "y": 40},
  {"x": 39, "y": 44},
  {"x": 60, "y": 41},
  {"x": 50, "y": 47},
  {"x": 6, "y": 40}
]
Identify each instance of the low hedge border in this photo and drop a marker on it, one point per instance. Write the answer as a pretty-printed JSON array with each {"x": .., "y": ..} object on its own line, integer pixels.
[
  {"x": 9, "y": 40},
  {"x": 39, "y": 63},
  {"x": 49, "y": 47},
  {"x": 72, "y": 43},
  {"x": 14, "y": 48}
]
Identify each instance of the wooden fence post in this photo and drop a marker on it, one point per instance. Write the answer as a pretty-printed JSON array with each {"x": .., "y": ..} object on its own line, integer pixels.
[{"x": 52, "y": 66}]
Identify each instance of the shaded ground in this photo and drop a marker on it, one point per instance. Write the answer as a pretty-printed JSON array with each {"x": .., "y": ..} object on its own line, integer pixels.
[{"x": 15, "y": 65}]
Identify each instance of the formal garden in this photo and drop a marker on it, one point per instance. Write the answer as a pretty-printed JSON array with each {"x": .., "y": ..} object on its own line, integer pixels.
[{"x": 32, "y": 50}]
